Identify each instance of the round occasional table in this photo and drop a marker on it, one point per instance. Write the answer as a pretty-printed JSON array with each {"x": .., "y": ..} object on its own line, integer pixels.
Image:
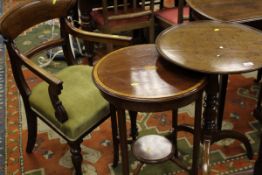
[
  {"x": 135, "y": 78},
  {"x": 248, "y": 12},
  {"x": 214, "y": 48}
]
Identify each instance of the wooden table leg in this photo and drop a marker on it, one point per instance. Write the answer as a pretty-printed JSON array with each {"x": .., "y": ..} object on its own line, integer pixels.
[
  {"x": 123, "y": 140},
  {"x": 222, "y": 99},
  {"x": 212, "y": 132},
  {"x": 114, "y": 134}
]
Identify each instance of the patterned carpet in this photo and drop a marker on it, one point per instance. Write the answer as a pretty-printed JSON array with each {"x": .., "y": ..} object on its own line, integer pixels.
[
  {"x": 2, "y": 102},
  {"x": 51, "y": 154}
]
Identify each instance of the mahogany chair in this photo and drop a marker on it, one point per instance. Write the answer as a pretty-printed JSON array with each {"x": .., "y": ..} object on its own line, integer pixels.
[
  {"x": 67, "y": 101},
  {"x": 125, "y": 15},
  {"x": 167, "y": 17}
]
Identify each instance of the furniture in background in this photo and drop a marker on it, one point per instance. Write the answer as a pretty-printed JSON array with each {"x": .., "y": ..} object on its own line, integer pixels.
[
  {"x": 222, "y": 51},
  {"x": 248, "y": 12},
  {"x": 167, "y": 17},
  {"x": 136, "y": 78},
  {"x": 125, "y": 15},
  {"x": 241, "y": 11},
  {"x": 68, "y": 101}
]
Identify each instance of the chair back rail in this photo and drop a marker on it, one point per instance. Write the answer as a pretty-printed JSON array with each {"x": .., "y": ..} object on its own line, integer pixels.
[
  {"x": 97, "y": 37},
  {"x": 126, "y": 9},
  {"x": 28, "y": 14}
]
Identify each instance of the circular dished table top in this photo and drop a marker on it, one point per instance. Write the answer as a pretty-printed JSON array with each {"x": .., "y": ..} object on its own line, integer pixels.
[
  {"x": 228, "y": 10},
  {"x": 212, "y": 47}
]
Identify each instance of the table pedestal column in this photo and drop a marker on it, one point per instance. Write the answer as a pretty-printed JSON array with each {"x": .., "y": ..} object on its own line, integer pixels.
[{"x": 210, "y": 129}]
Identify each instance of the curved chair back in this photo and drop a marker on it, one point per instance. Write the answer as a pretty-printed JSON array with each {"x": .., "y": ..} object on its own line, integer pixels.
[{"x": 28, "y": 14}]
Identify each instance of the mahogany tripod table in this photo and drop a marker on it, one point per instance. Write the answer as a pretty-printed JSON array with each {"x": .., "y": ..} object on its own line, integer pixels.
[{"x": 214, "y": 48}]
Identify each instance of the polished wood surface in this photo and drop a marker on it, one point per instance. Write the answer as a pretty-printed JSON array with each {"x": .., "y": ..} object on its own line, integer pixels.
[
  {"x": 228, "y": 10},
  {"x": 212, "y": 47},
  {"x": 152, "y": 149},
  {"x": 136, "y": 78},
  {"x": 138, "y": 74}
]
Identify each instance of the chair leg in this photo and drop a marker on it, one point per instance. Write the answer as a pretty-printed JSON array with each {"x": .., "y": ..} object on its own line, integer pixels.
[
  {"x": 134, "y": 129},
  {"x": 174, "y": 134},
  {"x": 32, "y": 130},
  {"x": 77, "y": 158},
  {"x": 152, "y": 33},
  {"x": 114, "y": 135},
  {"x": 258, "y": 109}
]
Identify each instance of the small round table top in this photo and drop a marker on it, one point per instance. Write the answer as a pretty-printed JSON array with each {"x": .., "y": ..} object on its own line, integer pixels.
[
  {"x": 212, "y": 47},
  {"x": 138, "y": 74}
]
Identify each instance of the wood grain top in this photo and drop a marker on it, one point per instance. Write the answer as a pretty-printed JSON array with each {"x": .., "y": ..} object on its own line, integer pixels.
[
  {"x": 212, "y": 47},
  {"x": 137, "y": 73},
  {"x": 228, "y": 10}
]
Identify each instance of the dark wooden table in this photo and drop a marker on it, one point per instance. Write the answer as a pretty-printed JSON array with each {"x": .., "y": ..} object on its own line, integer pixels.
[
  {"x": 228, "y": 10},
  {"x": 242, "y": 11},
  {"x": 214, "y": 48},
  {"x": 135, "y": 78}
]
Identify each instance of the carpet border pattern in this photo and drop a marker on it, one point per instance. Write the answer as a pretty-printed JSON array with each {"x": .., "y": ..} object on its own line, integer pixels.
[{"x": 2, "y": 101}]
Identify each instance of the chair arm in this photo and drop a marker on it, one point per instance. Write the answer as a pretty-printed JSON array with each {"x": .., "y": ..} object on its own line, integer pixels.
[
  {"x": 97, "y": 37},
  {"x": 44, "y": 46},
  {"x": 54, "y": 89}
]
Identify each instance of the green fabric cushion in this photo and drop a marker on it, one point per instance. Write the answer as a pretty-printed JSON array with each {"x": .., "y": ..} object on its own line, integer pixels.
[{"x": 82, "y": 100}]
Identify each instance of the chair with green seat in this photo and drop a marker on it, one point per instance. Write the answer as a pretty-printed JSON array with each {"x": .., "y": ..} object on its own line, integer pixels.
[{"x": 68, "y": 101}]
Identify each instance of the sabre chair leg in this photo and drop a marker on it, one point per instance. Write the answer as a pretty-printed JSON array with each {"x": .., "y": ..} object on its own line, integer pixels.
[
  {"x": 174, "y": 134},
  {"x": 258, "y": 164},
  {"x": 258, "y": 109},
  {"x": 114, "y": 135},
  {"x": 32, "y": 131},
  {"x": 77, "y": 158}
]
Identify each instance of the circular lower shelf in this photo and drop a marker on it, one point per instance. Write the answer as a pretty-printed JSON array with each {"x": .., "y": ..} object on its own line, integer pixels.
[{"x": 152, "y": 149}]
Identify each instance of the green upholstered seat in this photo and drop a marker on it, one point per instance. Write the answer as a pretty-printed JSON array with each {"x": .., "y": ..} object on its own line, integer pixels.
[{"x": 80, "y": 98}]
